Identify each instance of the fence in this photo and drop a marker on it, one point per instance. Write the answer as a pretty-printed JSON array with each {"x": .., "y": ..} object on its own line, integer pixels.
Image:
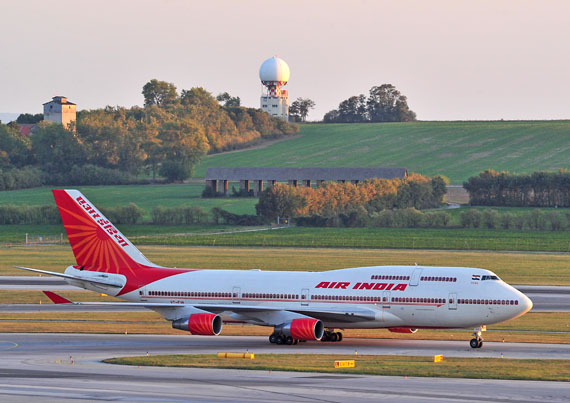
[{"x": 33, "y": 240}]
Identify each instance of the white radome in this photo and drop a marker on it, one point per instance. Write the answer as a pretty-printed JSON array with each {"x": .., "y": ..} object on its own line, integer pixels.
[{"x": 274, "y": 69}]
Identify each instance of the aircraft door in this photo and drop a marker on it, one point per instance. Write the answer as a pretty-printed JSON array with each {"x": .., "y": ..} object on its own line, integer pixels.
[
  {"x": 386, "y": 299},
  {"x": 143, "y": 294},
  {"x": 305, "y": 297},
  {"x": 236, "y": 295},
  {"x": 452, "y": 303},
  {"x": 415, "y": 279}
]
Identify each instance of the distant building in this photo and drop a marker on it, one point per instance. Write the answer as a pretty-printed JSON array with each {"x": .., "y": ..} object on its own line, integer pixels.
[
  {"x": 217, "y": 178},
  {"x": 59, "y": 110},
  {"x": 27, "y": 129},
  {"x": 274, "y": 73}
]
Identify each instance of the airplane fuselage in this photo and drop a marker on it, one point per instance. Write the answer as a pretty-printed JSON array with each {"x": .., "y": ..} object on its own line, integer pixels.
[{"x": 384, "y": 296}]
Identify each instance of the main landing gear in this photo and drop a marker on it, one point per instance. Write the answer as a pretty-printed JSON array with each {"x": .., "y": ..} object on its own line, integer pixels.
[
  {"x": 331, "y": 336},
  {"x": 477, "y": 340},
  {"x": 277, "y": 338}
]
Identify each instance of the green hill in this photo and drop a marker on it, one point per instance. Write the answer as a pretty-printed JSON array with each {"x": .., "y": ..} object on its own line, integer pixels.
[{"x": 457, "y": 150}]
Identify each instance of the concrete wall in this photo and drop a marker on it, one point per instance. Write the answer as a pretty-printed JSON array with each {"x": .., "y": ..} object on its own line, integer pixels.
[{"x": 275, "y": 106}]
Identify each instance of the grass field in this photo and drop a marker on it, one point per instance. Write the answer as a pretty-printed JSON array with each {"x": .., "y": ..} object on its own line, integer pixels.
[
  {"x": 145, "y": 196},
  {"x": 303, "y": 237},
  {"x": 478, "y": 368},
  {"x": 379, "y": 238},
  {"x": 457, "y": 150},
  {"x": 513, "y": 267}
]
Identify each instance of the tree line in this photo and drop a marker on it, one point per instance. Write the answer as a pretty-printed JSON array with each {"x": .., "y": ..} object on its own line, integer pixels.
[
  {"x": 535, "y": 220},
  {"x": 539, "y": 189},
  {"x": 333, "y": 198},
  {"x": 113, "y": 145},
  {"x": 383, "y": 104}
]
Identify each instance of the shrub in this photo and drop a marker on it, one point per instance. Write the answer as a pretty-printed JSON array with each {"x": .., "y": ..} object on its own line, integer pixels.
[
  {"x": 208, "y": 192},
  {"x": 408, "y": 218},
  {"x": 506, "y": 220},
  {"x": 436, "y": 219},
  {"x": 28, "y": 177},
  {"x": 470, "y": 218},
  {"x": 490, "y": 219},
  {"x": 175, "y": 171},
  {"x": 10, "y": 214},
  {"x": 236, "y": 219},
  {"x": 89, "y": 175},
  {"x": 311, "y": 221},
  {"x": 536, "y": 220},
  {"x": 383, "y": 219},
  {"x": 557, "y": 221},
  {"x": 519, "y": 221}
]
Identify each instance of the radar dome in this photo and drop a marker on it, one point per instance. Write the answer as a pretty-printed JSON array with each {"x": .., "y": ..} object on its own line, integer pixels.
[{"x": 274, "y": 70}]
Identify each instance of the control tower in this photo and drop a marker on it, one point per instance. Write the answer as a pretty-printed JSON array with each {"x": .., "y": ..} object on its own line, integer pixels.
[{"x": 274, "y": 73}]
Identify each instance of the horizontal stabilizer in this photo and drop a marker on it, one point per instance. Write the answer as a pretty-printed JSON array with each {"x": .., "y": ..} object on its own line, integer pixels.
[
  {"x": 56, "y": 299},
  {"x": 98, "y": 281}
]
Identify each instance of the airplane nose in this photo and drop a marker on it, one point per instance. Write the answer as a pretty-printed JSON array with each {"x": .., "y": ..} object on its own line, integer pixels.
[{"x": 526, "y": 304}]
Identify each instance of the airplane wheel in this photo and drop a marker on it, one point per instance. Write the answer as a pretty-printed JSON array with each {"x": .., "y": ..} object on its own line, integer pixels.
[
  {"x": 474, "y": 343},
  {"x": 325, "y": 337},
  {"x": 339, "y": 336},
  {"x": 279, "y": 340},
  {"x": 296, "y": 341},
  {"x": 334, "y": 337},
  {"x": 289, "y": 340},
  {"x": 480, "y": 344},
  {"x": 273, "y": 338}
]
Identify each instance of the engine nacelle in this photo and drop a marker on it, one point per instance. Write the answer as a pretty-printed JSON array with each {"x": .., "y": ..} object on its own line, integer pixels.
[
  {"x": 304, "y": 329},
  {"x": 402, "y": 330},
  {"x": 205, "y": 324}
]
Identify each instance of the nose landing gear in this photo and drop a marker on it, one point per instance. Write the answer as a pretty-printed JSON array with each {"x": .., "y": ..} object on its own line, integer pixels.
[{"x": 477, "y": 340}]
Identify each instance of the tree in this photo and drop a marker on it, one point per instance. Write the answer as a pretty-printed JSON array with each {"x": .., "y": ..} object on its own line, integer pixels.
[
  {"x": 228, "y": 100},
  {"x": 184, "y": 143},
  {"x": 279, "y": 201},
  {"x": 29, "y": 118},
  {"x": 384, "y": 104},
  {"x": 159, "y": 93},
  {"x": 299, "y": 109},
  {"x": 198, "y": 96},
  {"x": 14, "y": 148},
  {"x": 57, "y": 149}
]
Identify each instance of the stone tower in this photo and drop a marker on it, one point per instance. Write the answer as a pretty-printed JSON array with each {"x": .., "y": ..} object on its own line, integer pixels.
[{"x": 60, "y": 110}]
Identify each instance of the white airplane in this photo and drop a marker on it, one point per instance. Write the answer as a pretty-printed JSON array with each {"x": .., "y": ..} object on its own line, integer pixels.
[{"x": 299, "y": 306}]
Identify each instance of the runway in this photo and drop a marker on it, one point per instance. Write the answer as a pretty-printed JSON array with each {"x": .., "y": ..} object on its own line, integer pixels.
[{"x": 35, "y": 365}]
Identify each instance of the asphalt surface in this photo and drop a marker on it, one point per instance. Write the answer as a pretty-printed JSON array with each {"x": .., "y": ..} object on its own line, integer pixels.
[{"x": 57, "y": 367}]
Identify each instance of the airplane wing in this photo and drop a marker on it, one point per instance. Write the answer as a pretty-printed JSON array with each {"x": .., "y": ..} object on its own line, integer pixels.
[{"x": 347, "y": 316}]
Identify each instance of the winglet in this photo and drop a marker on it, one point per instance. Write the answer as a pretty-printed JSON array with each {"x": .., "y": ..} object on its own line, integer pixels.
[{"x": 56, "y": 299}]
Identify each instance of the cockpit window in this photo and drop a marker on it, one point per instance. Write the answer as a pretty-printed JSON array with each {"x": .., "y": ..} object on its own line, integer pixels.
[{"x": 483, "y": 278}]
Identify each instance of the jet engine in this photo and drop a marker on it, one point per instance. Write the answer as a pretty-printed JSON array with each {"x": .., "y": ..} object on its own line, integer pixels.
[
  {"x": 304, "y": 329},
  {"x": 402, "y": 330},
  {"x": 205, "y": 324}
]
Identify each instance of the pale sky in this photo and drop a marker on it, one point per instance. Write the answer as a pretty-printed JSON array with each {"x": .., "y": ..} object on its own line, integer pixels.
[{"x": 454, "y": 60}]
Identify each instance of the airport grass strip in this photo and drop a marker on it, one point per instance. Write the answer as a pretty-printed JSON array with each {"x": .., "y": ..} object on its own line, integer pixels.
[
  {"x": 377, "y": 238},
  {"x": 450, "y": 367},
  {"x": 512, "y": 267},
  {"x": 303, "y": 237}
]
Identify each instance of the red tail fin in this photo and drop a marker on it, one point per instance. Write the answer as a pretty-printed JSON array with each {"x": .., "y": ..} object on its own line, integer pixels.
[
  {"x": 99, "y": 246},
  {"x": 95, "y": 241}
]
